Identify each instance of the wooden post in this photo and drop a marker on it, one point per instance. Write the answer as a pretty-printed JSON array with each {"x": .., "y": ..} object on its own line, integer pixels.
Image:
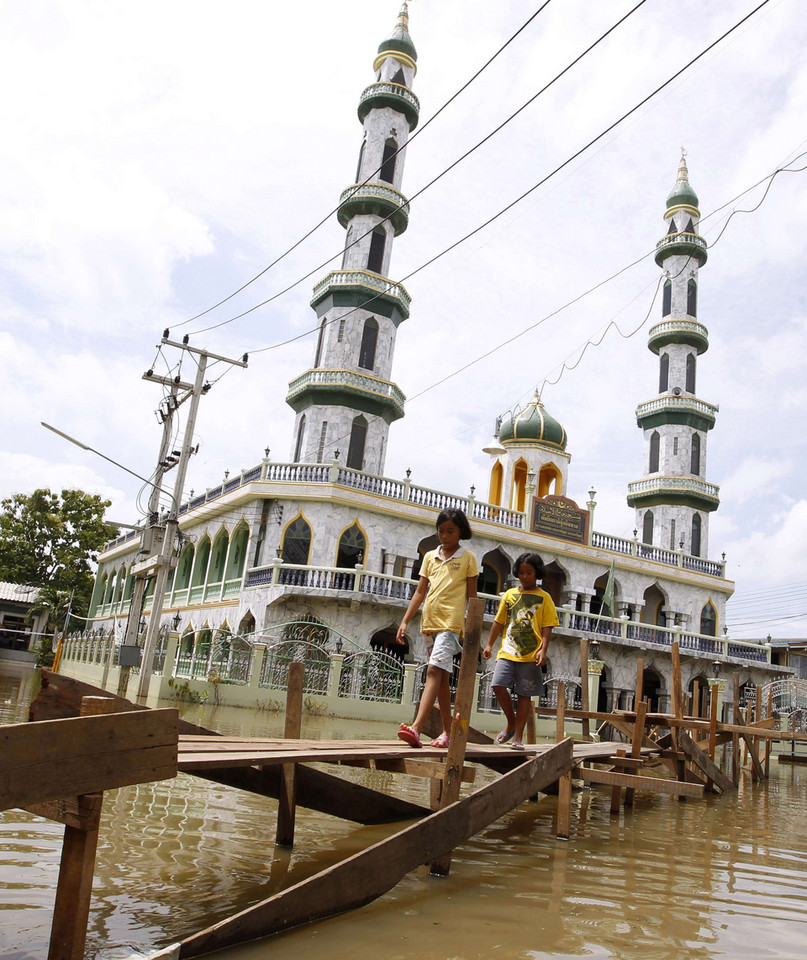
[
  {"x": 636, "y": 748},
  {"x": 616, "y": 790},
  {"x": 713, "y": 723},
  {"x": 768, "y": 743},
  {"x": 462, "y": 715},
  {"x": 286, "y": 807},
  {"x": 639, "y": 693},
  {"x": 696, "y": 698},
  {"x": 584, "y": 704},
  {"x": 675, "y": 680},
  {"x": 560, "y": 725},
  {"x": 564, "y": 806},
  {"x": 735, "y": 737},
  {"x": 71, "y": 911}
]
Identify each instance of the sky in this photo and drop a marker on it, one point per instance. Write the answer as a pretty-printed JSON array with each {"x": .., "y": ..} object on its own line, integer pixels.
[{"x": 158, "y": 156}]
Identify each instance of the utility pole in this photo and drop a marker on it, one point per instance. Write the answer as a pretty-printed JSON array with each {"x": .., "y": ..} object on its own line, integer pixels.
[{"x": 158, "y": 564}]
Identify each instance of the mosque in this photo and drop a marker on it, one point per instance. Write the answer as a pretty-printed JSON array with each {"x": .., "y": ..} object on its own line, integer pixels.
[{"x": 327, "y": 539}]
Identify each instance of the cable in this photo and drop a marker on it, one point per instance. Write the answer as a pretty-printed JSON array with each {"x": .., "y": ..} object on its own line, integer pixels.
[{"x": 369, "y": 178}]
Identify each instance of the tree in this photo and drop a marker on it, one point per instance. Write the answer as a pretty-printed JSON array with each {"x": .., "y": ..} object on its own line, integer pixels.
[{"x": 51, "y": 540}]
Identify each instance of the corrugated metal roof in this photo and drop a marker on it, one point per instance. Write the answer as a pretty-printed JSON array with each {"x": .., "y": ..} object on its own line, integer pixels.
[{"x": 18, "y": 592}]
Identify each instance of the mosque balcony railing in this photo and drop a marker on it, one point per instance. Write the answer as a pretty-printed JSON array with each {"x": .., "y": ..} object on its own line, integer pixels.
[
  {"x": 689, "y": 243},
  {"x": 348, "y": 380},
  {"x": 675, "y": 485},
  {"x": 378, "y": 198},
  {"x": 366, "y": 280},
  {"x": 645, "y": 551},
  {"x": 355, "y": 580},
  {"x": 708, "y": 411},
  {"x": 390, "y": 94},
  {"x": 678, "y": 329},
  {"x": 636, "y": 632}
]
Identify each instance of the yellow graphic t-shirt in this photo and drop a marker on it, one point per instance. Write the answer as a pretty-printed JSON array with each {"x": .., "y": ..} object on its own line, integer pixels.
[{"x": 526, "y": 613}]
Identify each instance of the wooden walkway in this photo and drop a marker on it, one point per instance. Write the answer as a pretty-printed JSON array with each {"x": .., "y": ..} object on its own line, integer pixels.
[{"x": 58, "y": 767}]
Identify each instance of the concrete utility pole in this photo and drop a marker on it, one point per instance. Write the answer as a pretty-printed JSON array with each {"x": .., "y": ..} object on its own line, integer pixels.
[{"x": 159, "y": 538}]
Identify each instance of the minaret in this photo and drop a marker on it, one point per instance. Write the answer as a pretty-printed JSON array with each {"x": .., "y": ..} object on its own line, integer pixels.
[
  {"x": 346, "y": 401},
  {"x": 673, "y": 501}
]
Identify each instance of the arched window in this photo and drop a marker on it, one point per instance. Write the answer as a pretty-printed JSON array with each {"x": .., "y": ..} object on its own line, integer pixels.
[
  {"x": 378, "y": 240},
  {"x": 361, "y": 160},
  {"x": 218, "y": 557},
  {"x": 709, "y": 620},
  {"x": 184, "y": 566},
  {"x": 200, "y": 566},
  {"x": 238, "y": 552},
  {"x": 647, "y": 527},
  {"x": 695, "y": 457},
  {"x": 358, "y": 438},
  {"x": 296, "y": 542},
  {"x": 695, "y": 544},
  {"x": 320, "y": 338},
  {"x": 369, "y": 340},
  {"x": 690, "y": 227},
  {"x": 664, "y": 373},
  {"x": 673, "y": 229},
  {"x": 655, "y": 444},
  {"x": 692, "y": 298},
  {"x": 519, "y": 497},
  {"x": 388, "y": 161},
  {"x": 549, "y": 480},
  {"x": 352, "y": 546},
  {"x": 496, "y": 480},
  {"x": 399, "y": 77},
  {"x": 298, "y": 447},
  {"x": 488, "y": 580},
  {"x": 666, "y": 299},
  {"x": 690, "y": 382}
]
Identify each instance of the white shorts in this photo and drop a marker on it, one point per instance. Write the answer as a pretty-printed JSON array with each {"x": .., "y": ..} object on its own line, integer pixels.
[{"x": 445, "y": 646}]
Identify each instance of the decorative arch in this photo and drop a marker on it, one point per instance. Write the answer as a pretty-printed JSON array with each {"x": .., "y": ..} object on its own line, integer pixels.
[
  {"x": 218, "y": 556},
  {"x": 518, "y": 498},
  {"x": 653, "y": 610},
  {"x": 550, "y": 480},
  {"x": 690, "y": 374},
  {"x": 296, "y": 541},
  {"x": 647, "y": 528},
  {"x": 385, "y": 641},
  {"x": 599, "y": 590},
  {"x": 555, "y": 580},
  {"x": 247, "y": 625},
  {"x": 320, "y": 339},
  {"x": 387, "y": 172},
  {"x": 361, "y": 160},
  {"x": 666, "y": 299},
  {"x": 695, "y": 455},
  {"x": 201, "y": 562},
  {"x": 369, "y": 342},
  {"x": 664, "y": 373},
  {"x": 352, "y": 546},
  {"x": 431, "y": 542},
  {"x": 695, "y": 537},
  {"x": 651, "y": 689},
  {"x": 496, "y": 483},
  {"x": 298, "y": 447},
  {"x": 184, "y": 566},
  {"x": 494, "y": 571},
  {"x": 655, "y": 447},
  {"x": 358, "y": 439},
  {"x": 692, "y": 298},
  {"x": 378, "y": 242}
]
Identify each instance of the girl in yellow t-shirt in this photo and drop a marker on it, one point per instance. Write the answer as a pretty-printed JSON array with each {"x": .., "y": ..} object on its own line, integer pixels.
[{"x": 447, "y": 582}]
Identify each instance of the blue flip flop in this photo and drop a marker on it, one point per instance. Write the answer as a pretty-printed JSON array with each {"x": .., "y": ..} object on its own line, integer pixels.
[{"x": 504, "y": 736}]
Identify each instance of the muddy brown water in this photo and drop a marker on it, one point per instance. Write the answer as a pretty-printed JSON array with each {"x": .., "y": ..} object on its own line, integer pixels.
[{"x": 720, "y": 877}]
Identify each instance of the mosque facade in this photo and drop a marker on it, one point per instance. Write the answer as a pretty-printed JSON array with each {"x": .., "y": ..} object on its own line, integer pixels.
[{"x": 326, "y": 538}]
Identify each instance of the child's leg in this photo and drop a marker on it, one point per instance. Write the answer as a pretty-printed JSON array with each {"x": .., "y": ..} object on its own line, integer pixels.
[
  {"x": 431, "y": 691},
  {"x": 444, "y": 701},
  {"x": 523, "y": 708},
  {"x": 505, "y": 701}
]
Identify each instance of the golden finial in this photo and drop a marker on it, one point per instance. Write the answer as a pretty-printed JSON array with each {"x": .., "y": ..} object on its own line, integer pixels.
[
  {"x": 403, "y": 16},
  {"x": 683, "y": 173}
]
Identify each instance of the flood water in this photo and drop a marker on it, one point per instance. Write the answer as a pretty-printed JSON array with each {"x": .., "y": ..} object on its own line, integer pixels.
[{"x": 720, "y": 877}]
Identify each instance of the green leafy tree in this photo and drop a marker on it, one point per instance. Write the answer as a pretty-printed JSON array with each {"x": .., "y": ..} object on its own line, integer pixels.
[{"x": 52, "y": 540}]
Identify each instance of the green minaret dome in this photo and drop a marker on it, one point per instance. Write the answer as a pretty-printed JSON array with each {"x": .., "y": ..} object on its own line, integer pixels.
[
  {"x": 682, "y": 192},
  {"x": 533, "y": 425},
  {"x": 399, "y": 40}
]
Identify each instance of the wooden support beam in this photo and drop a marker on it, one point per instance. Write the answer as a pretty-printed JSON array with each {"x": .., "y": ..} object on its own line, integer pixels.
[
  {"x": 367, "y": 875},
  {"x": 638, "y": 693},
  {"x": 584, "y": 704},
  {"x": 713, "y": 723},
  {"x": 287, "y": 804},
  {"x": 564, "y": 806},
  {"x": 649, "y": 784},
  {"x": 735, "y": 739},
  {"x": 616, "y": 786},
  {"x": 757, "y": 770},
  {"x": 463, "y": 703},
  {"x": 431, "y": 769},
  {"x": 560, "y": 722},
  {"x": 704, "y": 762}
]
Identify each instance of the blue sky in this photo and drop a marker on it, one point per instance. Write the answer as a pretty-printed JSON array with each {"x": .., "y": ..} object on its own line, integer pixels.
[{"x": 157, "y": 156}]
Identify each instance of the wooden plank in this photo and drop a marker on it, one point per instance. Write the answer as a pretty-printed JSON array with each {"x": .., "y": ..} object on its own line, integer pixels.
[
  {"x": 636, "y": 746},
  {"x": 639, "y": 691},
  {"x": 431, "y": 769},
  {"x": 564, "y": 806},
  {"x": 83, "y": 813},
  {"x": 753, "y": 753},
  {"x": 560, "y": 722},
  {"x": 584, "y": 704},
  {"x": 59, "y": 758},
  {"x": 287, "y": 808},
  {"x": 616, "y": 789},
  {"x": 704, "y": 762},
  {"x": 367, "y": 875},
  {"x": 650, "y": 784},
  {"x": 455, "y": 757}
]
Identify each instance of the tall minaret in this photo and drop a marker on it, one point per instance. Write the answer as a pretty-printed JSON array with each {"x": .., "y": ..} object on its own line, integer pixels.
[
  {"x": 346, "y": 401},
  {"x": 673, "y": 501}
]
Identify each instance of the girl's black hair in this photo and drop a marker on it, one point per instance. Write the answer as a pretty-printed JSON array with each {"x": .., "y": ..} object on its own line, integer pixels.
[
  {"x": 458, "y": 518},
  {"x": 532, "y": 560}
]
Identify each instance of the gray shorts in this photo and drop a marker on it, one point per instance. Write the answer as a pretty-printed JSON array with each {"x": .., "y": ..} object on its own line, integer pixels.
[
  {"x": 524, "y": 678},
  {"x": 445, "y": 646}
]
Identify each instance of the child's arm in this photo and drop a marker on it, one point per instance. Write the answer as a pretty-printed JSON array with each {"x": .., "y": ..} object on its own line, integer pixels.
[
  {"x": 540, "y": 656},
  {"x": 495, "y": 630},
  {"x": 471, "y": 587},
  {"x": 412, "y": 609}
]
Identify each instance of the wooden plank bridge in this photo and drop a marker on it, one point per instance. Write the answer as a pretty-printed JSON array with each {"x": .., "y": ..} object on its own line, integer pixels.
[{"x": 83, "y": 741}]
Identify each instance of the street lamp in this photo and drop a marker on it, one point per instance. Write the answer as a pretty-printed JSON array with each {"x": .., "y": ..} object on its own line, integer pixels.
[
  {"x": 594, "y": 649},
  {"x": 176, "y": 620}
]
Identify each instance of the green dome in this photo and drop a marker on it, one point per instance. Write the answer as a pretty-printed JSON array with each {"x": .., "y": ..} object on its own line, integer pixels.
[
  {"x": 533, "y": 425},
  {"x": 399, "y": 40},
  {"x": 682, "y": 192}
]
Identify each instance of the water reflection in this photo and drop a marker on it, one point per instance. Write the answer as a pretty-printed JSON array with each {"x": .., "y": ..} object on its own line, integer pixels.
[{"x": 713, "y": 878}]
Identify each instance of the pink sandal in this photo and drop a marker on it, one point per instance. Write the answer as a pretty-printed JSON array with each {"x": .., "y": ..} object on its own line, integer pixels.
[
  {"x": 441, "y": 741},
  {"x": 409, "y": 735}
]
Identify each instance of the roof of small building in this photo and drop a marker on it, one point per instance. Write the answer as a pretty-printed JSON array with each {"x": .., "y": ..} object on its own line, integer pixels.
[
  {"x": 533, "y": 424},
  {"x": 19, "y": 592}
]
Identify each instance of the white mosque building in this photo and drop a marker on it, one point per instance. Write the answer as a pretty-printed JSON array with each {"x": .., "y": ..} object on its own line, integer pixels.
[{"x": 327, "y": 539}]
